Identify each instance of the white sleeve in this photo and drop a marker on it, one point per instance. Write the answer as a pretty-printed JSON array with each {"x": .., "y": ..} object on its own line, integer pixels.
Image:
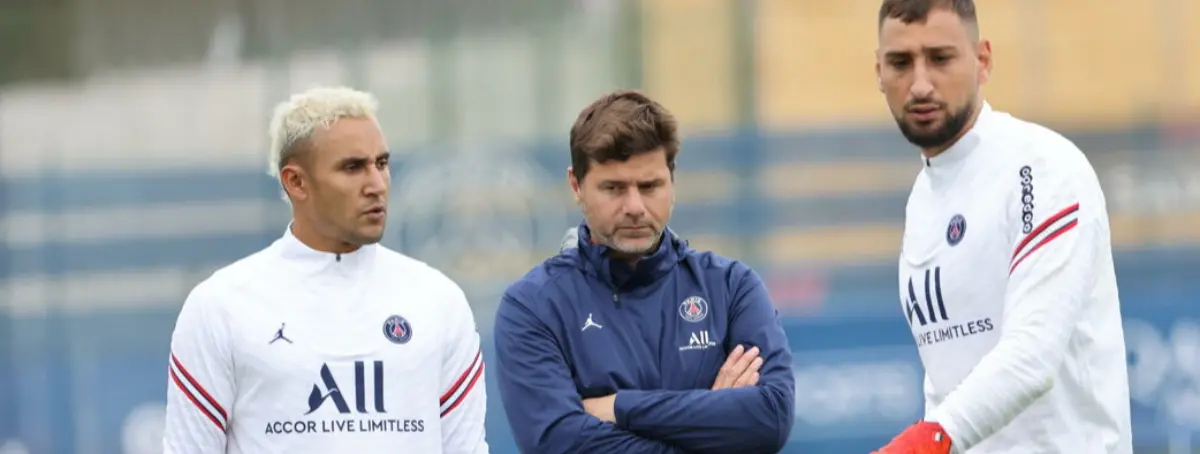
[
  {"x": 200, "y": 385},
  {"x": 464, "y": 394},
  {"x": 930, "y": 402},
  {"x": 1057, "y": 223}
]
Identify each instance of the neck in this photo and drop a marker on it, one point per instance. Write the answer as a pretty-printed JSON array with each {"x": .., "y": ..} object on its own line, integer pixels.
[
  {"x": 306, "y": 233},
  {"x": 933, "y": 152},
  {"x": 629, "y": 259}
]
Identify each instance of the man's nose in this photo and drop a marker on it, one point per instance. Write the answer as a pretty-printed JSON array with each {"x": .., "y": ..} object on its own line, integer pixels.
[
  {"x": 376, "y": 181},
  {"x": 922, "y": 86},
  {"x": 635, "y": 205}
]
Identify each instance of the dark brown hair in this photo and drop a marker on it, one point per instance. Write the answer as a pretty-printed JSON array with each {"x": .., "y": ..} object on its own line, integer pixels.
[
  {"x": 620, "y": 125},
  {"x": 909, "y": 11}
]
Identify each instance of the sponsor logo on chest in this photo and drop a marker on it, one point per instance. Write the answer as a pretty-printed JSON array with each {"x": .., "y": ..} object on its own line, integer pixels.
[
  {"x": 926, "y": 310},
  {"x": 694, "y": 309},
  {"x": 351, "y": 396}
]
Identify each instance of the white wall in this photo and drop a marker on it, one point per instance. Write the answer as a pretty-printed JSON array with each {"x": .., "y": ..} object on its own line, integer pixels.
[{"x": 215, "y": 115}]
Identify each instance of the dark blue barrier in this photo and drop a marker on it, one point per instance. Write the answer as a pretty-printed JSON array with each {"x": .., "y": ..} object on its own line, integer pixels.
[
  {"x": 97, "y": 380},
  {"x": 859, "y": 380}
]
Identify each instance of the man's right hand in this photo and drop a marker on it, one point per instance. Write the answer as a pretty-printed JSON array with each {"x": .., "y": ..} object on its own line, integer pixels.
[{"x": 740, "y": 369}]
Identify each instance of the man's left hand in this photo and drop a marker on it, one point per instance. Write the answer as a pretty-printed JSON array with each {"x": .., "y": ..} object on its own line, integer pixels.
[
  {"x": 603, "y": 408},
  {"x": 921, "y": 438}
]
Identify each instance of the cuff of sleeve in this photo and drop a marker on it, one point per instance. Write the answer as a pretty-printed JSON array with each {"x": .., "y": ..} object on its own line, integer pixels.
[
  {"x": 936, "y": 416},
  {"x": 623, "y": 405}
]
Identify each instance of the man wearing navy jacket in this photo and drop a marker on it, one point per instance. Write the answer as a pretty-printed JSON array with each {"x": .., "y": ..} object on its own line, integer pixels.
[{"x": 629, "y": 341}]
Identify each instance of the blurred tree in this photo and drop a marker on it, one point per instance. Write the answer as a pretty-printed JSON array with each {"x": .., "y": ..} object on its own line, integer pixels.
[
  {"x": 35, "y": 39},
  {"x": 54, "y": 39}
]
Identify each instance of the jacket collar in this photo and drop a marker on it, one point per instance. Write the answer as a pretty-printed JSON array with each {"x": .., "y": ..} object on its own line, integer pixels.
[
  {"x": 617, "y": 273},
  {"x": 965, "y": 145},
  {"x": 311, "y": 261}
]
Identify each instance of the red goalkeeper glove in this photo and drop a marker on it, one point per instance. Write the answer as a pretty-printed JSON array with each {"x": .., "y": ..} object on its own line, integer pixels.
[{"x": 920, "y": 438}]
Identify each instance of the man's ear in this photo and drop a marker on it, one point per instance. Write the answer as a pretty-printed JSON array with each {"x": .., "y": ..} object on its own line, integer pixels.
[
  {"x": 984, "y": 50},
  {"x": 294, "y": 181},
  {"x": 573, "y": 183},
  {"x": 878, "y": 73}
]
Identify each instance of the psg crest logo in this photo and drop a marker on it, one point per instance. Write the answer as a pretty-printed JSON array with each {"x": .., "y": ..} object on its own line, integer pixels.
[
  {"x": 693, "y": 309},
  {"x": 956, "y": 230},
  {"x": 397, "y": 329}
]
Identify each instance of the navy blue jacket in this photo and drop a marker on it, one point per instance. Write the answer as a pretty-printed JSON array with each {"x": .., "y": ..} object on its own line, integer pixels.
[{"x": 580, "y": 326}]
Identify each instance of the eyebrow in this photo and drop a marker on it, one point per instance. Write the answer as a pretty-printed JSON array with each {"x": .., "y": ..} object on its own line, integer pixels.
[
  {"x": 361, "y": 160},
  {"x": 927, "y": 49},
  {"x": 632, "y": 181}
]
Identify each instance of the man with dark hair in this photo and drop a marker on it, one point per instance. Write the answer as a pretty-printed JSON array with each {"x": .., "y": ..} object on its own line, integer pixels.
[
  {"x": 1011, "y": 295},
  {"x": 629, "y": 132},
  {"x": 628, "y": 340}
]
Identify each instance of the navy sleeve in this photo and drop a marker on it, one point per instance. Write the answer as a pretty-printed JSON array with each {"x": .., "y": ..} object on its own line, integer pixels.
[
  {"x": 544, "y": 411},
  {"x": 755, "y": 419}
]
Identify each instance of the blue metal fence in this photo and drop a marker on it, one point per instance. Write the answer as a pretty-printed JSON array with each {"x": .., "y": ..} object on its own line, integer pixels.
[{"x": 84, "y": 373}]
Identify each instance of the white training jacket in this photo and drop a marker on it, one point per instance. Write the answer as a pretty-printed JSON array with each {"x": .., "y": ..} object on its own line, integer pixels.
[
  {"x": 1006, "y": 278},
  {"x": 296, "y": 351}
]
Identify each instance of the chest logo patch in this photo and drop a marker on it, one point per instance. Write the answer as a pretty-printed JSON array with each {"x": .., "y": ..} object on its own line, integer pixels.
[
  {"x": 397, "y": 329},
  {"x": 693, "y": 309},
  {"x": 590, "y": 324},
  {"x": 279, "y": 335},
  {"x": 956, "y": 230}
]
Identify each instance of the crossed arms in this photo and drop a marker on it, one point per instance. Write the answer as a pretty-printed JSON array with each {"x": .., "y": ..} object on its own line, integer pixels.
[{"x": 748, "y": 409}]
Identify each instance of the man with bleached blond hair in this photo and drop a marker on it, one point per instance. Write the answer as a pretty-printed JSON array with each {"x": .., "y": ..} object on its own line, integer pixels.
[{"x": 326, "y": 341}]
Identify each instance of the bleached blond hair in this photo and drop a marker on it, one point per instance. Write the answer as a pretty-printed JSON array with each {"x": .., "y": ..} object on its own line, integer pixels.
[{"x": 296, "y": 119}]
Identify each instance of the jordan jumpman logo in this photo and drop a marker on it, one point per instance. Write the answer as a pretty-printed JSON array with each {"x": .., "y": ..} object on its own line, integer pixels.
[{"x": 279, "y": 335}]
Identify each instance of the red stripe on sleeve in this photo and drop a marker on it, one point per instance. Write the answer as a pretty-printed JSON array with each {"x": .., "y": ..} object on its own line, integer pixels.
[
  {"x": 1057, "y": 233},
  {"x": 463, "y": 396},
  {"x": 462, "y": 378},
  {"x": 199, "y": 388},
  {"x": 191, "y": 397},
  {"x": 1042, "y": 227}
]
